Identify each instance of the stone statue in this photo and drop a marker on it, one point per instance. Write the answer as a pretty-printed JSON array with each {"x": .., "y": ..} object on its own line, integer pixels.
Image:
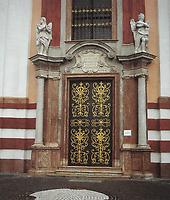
[
  {"x": 140, "y": 31},
  {"x": 43, "y": 36}
]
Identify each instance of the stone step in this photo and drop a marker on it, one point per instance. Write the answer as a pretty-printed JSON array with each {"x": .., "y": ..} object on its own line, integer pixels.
[{"x": 89, "y": 172}]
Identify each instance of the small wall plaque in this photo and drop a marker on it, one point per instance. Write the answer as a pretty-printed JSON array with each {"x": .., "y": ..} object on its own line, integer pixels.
[{"x": 127, "y": 133}]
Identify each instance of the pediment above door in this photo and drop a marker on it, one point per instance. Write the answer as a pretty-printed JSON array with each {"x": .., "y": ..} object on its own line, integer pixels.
[{"x": 91, "y": 57}]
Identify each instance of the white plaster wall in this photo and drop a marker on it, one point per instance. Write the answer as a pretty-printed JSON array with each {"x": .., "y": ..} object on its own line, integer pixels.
[
  {"x": 164, "y": 43},
  {"x": 15, "y": 24}
]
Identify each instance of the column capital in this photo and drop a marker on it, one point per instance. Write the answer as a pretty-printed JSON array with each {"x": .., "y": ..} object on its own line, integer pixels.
[
  {"x": 55, "y": 75},
  {"x": 46, "y": 66},
  {"x": 136, "y": 65},
  {"x": 47, "y": 73},
  {"x": 40, "y": 73},
  {"x": 141, "y": 72}
]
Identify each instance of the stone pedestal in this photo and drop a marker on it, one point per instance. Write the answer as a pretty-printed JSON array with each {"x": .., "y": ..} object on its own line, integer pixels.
[
  {"x": 136, "y": 162},
  {"x": 44, "y": 159}
]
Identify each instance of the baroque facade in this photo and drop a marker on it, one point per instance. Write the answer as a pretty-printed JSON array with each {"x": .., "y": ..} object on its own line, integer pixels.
[{"x": 85, "y": 87}]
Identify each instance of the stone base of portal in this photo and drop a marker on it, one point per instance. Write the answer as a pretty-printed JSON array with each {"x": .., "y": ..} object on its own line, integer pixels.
[
  {"x": 45, "y": 160},
  {"x": 136, "y": 162}
]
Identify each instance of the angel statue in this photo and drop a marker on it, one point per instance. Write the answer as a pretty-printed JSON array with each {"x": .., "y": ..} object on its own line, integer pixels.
[
  {"x": 140, "y": 31},
  {"x": 43, "y": 36}
]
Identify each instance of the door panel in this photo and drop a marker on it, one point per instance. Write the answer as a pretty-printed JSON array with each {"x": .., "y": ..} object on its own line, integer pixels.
[{"x": 90, "y": 122}]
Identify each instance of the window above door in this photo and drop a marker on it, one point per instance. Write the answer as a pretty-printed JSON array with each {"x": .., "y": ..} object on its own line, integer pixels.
[{"x": 91, "y": 19}]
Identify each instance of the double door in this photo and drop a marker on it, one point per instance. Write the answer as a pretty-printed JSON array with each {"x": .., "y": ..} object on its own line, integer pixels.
[{"x": 90, "y": 122}]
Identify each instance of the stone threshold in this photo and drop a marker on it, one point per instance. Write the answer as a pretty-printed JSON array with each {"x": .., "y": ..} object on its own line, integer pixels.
[{"x": 93, "y": 172}]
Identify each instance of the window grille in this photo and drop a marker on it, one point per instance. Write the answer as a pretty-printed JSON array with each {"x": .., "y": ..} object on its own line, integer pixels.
[{"x": 91, "y": 19}]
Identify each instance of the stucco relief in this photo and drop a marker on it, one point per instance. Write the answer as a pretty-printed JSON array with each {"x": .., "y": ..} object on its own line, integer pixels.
[{"x": 90, "y": 61}]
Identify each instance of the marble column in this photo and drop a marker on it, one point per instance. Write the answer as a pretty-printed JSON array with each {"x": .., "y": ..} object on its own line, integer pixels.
[
  {"x": 142, "y": 129},
  {"x": 39, "y": 112}
]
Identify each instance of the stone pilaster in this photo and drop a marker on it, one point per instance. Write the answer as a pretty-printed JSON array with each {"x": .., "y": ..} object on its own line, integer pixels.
[
  {"x": 137, "y": 159},
  {"x": 46, "y": 150},
  {"x": 136, "y": 66},
  {"x": 142, "y": 128},
  {"x": 39, "y": 112},
  {"x": 51, "y": 110}
]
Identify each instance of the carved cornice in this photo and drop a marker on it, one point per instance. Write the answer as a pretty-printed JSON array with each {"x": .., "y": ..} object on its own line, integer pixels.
[
  {"x": 145, "y": 58},
  {"x": 42, "y": 60},
  {"x": 136, "y": 65},
  {"x": 47, "y": 67}
]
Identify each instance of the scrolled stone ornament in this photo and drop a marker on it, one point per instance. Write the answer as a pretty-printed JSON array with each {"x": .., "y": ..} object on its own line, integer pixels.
[
  {"x": 140, "y": 31},
  {"x": 43, "y": 36}
]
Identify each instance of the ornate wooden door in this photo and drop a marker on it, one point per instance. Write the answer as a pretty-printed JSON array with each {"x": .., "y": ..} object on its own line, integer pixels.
[{"x": 90, "y": 122}]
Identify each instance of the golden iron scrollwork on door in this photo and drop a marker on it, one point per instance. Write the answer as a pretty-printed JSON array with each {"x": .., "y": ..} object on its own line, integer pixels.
[
  {"x": 90, "y": 122},
  {"x": 101, "y": 96},
  {"x": 80, "y": 97}
]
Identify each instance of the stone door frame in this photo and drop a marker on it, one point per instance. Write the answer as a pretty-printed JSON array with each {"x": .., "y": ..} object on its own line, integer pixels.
[{"x": 115, "y": 117}]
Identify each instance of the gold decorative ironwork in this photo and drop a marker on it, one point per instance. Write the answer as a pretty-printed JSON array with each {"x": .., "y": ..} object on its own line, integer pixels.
[
  {"x": 99, "y": 10},
  {"x": 79, "y": 142},
  {"x": 80, "y": 122},
  {"x": 101, "y": 95},
  {"x": 101, "y": 146},
  {"x": 104, "y": 122},
  {"x": 94, "y": 24},
  {"x": 90, "y": 123},
  {"x": 80, "y": 96}
]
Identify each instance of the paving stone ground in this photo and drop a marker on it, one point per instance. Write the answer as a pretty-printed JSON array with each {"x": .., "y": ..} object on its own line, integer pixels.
[{"x": 19, "y": 187}]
